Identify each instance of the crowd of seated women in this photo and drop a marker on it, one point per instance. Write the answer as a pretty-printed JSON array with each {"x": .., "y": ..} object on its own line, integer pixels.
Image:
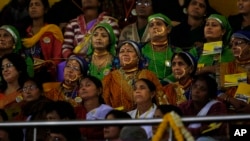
[{"x": 95, "y": 67}]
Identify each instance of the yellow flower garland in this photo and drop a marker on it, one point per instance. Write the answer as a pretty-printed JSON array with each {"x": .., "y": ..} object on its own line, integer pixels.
[{"x": 177, "y": 126}]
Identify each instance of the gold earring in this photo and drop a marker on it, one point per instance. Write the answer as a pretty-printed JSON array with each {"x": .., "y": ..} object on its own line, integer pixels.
[{"x": 14, "y": 47}]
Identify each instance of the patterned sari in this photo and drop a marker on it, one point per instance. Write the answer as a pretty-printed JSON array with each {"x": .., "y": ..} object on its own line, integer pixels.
[{"x": 118, "y": 91}]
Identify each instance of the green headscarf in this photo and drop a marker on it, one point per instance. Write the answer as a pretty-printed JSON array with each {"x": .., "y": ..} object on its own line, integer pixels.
[
  {"x": 225, "y": 25},
  {"x": 15, "y": 35},
  {"x": 18, "y": 46},
  {"x": 112, "y": 38},
  {"x": 161, "y": 17}
]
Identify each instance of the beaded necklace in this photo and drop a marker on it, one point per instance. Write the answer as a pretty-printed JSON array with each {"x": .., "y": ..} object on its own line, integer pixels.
[{"x": 167, "y": 63}]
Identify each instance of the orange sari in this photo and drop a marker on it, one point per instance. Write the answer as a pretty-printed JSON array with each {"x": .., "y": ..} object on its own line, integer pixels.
[
  {"x": 9, "y": 104},
  {"x": 176, "y": 93},
  {"x": 55, "y": 91},
  {"x": 117, "y": 92}
]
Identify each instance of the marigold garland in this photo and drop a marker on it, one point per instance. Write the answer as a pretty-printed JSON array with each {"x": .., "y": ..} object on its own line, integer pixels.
[{"x": 174, "y": 121}]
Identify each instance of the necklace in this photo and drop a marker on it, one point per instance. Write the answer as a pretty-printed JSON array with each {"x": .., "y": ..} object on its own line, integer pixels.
[
  {"x": 187, "y": 83},
  {"x": 128, "y": 9},
  {"x": 130, "y": 81},
  {"x": 100, "y": 63},
  {"x": 242, "y": 62},
  {"x": 101, "y": 54},
  {"x": 165, "y": 43},
  {"x": 167, "y": 62},
  {"x": 130, "y": 78},
  {"x": 131, "y": 70}
]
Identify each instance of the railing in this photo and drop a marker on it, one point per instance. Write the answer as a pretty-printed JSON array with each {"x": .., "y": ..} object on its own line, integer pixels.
[{"x": 120, "y": 122}]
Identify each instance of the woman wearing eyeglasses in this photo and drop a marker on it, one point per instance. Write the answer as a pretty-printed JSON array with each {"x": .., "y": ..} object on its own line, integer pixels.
[
  {"x": 13, "y": 74},
  {"x": 75, "y": 67},
  {"x": 240, "y": 42},
  {"x": 32, "y": 103},
  {"x": 138, "y": 31}
]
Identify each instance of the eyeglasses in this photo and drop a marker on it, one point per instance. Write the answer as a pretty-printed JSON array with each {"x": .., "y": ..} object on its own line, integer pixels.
[
  {"x": 30, "y": 87},
  {"x": 74, "y": 68},
  {"x": 6, "y": 66},
  {"x": 145, "y": 3},
  {"x": 237, "y": 43}
]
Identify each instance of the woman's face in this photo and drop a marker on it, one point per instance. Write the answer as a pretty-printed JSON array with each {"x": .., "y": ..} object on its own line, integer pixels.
[
  {"x": 180, "y": 68},
  {"x": 4, "y": 136},
  {"x": 6, "y": 40},
  {"x": 88, "y": 90},
  {"x": 30, "y": 91},
  {"x": 100, "y": 39},
  {"x": 158, "y": 28},
  {"x": 197, "y": 8},
  {"x": 10, "y": 74},
  {"x": 53, "y": 115},
  {"x": 243, "y": 6},
  {"x": 90, "y": 4},
  {"x": 72, "y": 71},
  {"x": 56, "y": 137},
  {"x": 200, "y": 92},
  {"x": 142, "y": 93},
  {"x": 128, "y": 56},
  {"x": 111, "y": 132},
  {"x": 36, "y": 9},
  {"x": 213, "y": 30},
  {"x": 144, "y": 8},
  {"x": 240, "y": 48}
]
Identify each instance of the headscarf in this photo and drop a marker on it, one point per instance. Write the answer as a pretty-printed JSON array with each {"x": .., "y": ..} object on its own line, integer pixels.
[
  {"x": 18, "y": 46},
  {"x": 161, "y": 17},
  {"x": 112, "y": 38},
  {"x": 134, "y": 45},
  {"x": 225, "y": 25},
  {"x": 83, "y": 63},
  {"x": 137, "y": 47},
  {"x": 15, "y": 35},
  {"x": 242, "y": 34},
  {"x": 191, "y": 59}
]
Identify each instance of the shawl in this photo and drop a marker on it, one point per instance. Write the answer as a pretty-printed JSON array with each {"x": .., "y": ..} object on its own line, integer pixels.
[
  {"x": 177, "y": 93},
  {"x": 57, "y": 93},
  {"x": 30, "y": 42},
  {"x": 8, "y": 102}
]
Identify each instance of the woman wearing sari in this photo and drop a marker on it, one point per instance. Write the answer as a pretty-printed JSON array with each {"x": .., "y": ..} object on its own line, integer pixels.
[
  {"x": 217, "y": 28},
  {"x": 144, "y": 96},
  {"x": 118, "y": 84},
  {"x": 77, "y": 32},
  {"x": 183, "y": 68},
  {"x": 240, "y": 42},
  {"x": 158, "y": 51},
  {"x": 67, "y": 90},
  {"x": 44, "y": 41},
  {"x": 102, "y": 50},
  {"x": 204, "y": 103},
  {"x": 91, "y": 107},
  {"x": 14, "y": 74}
]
